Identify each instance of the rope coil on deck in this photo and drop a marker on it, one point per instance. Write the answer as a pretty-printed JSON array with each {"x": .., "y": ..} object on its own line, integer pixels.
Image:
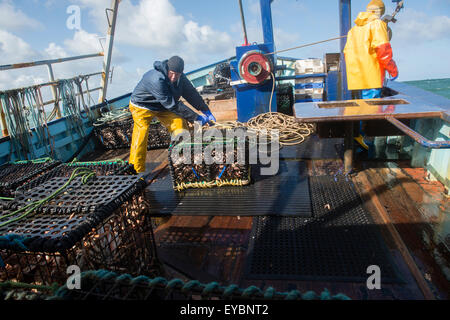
[{"x": 291, "y": 132}]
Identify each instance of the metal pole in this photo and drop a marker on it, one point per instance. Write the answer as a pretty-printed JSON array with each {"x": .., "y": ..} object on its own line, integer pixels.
[
  {"x": 243, "y": 23},
  {"x": 109, "y": 41},
  {"x": 266, "y": 17},
  {"x": 348, "y": 146},
  {"x": 52, "y": 79},
  {"x": 46, "y": 62},
  {"x": 3, "y": 120},
  {"x": 345, "y": 13}
]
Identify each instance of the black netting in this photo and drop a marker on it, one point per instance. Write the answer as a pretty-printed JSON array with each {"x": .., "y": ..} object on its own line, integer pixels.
[
  {"x": 221, "y": 160},
  {"x": 103, "y": 224},
  {"x": 14, "y": 175},
  {"x": 103, "y": 168},
  {"x": 117, "y": 135},
  {"x": 285, "y": 98}
]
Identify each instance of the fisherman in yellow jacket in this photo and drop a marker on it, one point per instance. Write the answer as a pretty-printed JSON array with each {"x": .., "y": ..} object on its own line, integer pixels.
[{"x": 368, "y": 53}]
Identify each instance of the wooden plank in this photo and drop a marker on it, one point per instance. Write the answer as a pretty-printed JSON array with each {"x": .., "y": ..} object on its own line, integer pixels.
[{"x": 428, "y": 295}]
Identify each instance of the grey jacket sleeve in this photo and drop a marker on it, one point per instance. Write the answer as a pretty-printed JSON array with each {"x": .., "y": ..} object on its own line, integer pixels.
[{"x": 192, "y": 96}]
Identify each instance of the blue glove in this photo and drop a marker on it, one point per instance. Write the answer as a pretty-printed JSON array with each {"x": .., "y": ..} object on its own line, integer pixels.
[
  {"x": 210, "y": 116},
  {"x": 202, "y": 119},
  {"x": 393, "y": 78}
]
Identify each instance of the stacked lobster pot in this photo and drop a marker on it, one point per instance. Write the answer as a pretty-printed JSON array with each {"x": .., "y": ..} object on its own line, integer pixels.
[
  {"x": 85, "y": 221},
  {"x": 116, "y": 133},
  {"x": 219, "y": 162},
  {"x": 18, "y": 173},
  {"x": 309, "y": 80}
]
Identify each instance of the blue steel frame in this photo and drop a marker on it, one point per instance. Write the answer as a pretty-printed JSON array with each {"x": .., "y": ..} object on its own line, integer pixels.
[{"x": 255, "y": 99}]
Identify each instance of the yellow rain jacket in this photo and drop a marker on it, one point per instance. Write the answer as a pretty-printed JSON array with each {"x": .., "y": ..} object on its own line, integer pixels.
[{"x": 368, "y": 53}]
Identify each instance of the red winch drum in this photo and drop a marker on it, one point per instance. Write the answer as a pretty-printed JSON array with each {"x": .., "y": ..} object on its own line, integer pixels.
[{"x": 255, "y": 67}]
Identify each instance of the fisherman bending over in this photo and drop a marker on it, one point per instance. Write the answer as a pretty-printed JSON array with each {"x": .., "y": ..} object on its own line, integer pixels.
[{"x": 157, "y": 95}]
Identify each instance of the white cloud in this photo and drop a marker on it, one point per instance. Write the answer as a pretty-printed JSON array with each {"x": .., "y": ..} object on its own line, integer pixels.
[
  {"x": 54, "y": 51},
  {"x": 83, "y": 43},
  {"x": 416, "y": 27},
  {"x": 13, "y": 19},
  {"x": 155, "y": 25},
  {"x": 14, "y": 49}
]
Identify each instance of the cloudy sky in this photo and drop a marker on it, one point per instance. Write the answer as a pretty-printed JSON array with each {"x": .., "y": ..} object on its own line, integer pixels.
[{"x": 202, "y": 32}]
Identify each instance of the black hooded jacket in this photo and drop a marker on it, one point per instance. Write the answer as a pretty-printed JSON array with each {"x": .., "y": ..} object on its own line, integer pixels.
[{"x": 156, "y": 93}]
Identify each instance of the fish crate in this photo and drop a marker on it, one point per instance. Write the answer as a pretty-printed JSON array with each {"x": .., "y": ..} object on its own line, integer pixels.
[
  {"x": 309, "y": 97},
  {"x": 310, "y": 91},
  {"x": 101, "y": 168},
  {"x": 309, "y": 66},
  {"x": 16, "y": 174},
  {"x": 117, "y": 135},
  {"x": 227, "y": 163},
  {"x": 101, "y": 224}
]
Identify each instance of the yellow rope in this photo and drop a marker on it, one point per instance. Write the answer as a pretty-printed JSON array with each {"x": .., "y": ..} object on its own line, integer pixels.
[{"x": 209, "y": 184}]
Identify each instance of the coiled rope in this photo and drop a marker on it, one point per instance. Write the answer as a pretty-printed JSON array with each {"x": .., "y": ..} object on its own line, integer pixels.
[
  {"x": 113, "y": 115},
  {"x": 291, "y": 132}
]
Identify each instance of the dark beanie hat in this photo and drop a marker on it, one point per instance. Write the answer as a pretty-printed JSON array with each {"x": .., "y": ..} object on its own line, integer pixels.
[{"x": 176, "y": 64}]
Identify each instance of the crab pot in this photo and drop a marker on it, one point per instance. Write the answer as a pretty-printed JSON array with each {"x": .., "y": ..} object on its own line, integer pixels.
[
  {"x": 16, "y": 174},
  {"x": 101, "y": 168},
  {"x": 117, "y": 135},
  {"x": 103, "y": 224},
  {"x": 226, "y": 168}
]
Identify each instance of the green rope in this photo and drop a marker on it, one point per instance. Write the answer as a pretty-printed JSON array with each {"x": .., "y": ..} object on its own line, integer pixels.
[
  {"x": 82, "y": 172},
  {"x": 5, "y": 198},
  {"x": 112, "y": 161},
  {"x": 40, "y": 160},
  {"x": 6, "y": 285}
]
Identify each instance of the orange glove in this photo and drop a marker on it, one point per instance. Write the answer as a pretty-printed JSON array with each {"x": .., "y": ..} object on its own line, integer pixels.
[{"x": 384, "y": 55}]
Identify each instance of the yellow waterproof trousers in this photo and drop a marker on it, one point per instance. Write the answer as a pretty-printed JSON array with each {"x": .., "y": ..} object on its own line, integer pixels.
[{"x": 142, "y": 118}]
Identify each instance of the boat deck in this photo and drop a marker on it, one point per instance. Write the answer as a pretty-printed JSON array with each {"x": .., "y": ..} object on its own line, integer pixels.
[{"x": 409, "y": 209}]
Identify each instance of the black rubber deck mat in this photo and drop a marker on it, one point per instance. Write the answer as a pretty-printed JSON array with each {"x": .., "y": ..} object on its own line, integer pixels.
[
  {"x": 284, "y": 194},
  {"x": 314, "y": 148},
  {"x": 338, "y": 244}
]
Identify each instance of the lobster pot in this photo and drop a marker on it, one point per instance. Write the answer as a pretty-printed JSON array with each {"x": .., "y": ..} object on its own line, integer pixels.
[
  {"x": 158, "y": 136},
  {"x": 103, "y": 224},
  {"x": 117, "y": 135},
  {"x": 219, "y": 162},
  {"x": 16, "y": 174},
  {"x": 101, "y": 168}
]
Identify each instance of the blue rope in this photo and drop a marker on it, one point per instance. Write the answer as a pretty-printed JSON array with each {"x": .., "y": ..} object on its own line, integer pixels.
[
  {"x": 223, "y": 170},
  {"x": 206, "y": 289}
]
